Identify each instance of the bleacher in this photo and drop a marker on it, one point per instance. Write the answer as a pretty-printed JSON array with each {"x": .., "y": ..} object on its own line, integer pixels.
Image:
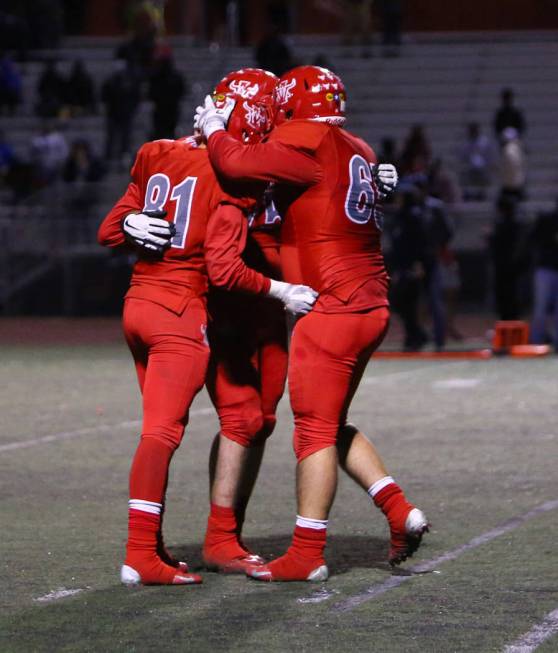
[{"x": 440, "y": 81}]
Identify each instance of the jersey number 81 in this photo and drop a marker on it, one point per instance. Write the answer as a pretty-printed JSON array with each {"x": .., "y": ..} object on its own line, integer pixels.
[{"x": 156, "y": 195}]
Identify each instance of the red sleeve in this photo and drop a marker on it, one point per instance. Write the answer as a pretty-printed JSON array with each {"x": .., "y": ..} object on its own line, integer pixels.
[
  {"x": 225, "y": 241},
  {"x": 110, "y": 232},
  {"x": 270, "y": 161}
]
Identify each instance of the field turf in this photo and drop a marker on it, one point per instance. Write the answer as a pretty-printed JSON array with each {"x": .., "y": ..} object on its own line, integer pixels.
[{"x": 474, "y": 443}]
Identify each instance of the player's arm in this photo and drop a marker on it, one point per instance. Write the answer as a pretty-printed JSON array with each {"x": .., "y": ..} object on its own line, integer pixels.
[
  {"x": 126, "y": 223},
  {"x": 225, "y": 241},
  {"x": 110, "y": 233},
  {"x": 270, "y": 161}
]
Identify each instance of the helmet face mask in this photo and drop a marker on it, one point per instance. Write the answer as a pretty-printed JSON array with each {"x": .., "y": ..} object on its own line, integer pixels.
[
  {"x": 253, "y": 115},
  {"x": 313, "y": 93}
]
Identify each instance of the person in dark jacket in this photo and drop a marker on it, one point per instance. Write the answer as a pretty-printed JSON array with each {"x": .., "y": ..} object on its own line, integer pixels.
[
  {"x": 166, "y": 90},
  {"x": 544, "y": 240},
  {"x": 505, "y": 245},
  {"x": 121, "y": 96}
]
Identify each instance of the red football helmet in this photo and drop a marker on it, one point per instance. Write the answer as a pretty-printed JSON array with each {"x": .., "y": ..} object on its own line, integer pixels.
[
  {"x": 310, "y": 92},
  {"x": 253, "y": 115}
]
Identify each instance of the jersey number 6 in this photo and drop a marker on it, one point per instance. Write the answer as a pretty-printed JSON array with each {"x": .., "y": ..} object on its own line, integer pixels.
[
  {"x": 156, "y": 195},
  {"x": 360, "y": 204}
]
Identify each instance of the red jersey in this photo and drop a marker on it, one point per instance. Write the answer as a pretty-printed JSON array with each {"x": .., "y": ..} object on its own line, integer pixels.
[
  {"x": 210, "y": 228},
  {"x": 330, "y": 239},
  {"x": 262, "y": 246}
]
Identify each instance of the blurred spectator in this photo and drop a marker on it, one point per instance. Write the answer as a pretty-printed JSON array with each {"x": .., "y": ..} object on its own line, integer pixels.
[
  {"x": 391, "y": 12},
  {"x": 477, "y": 160},
  {"x": 48, "y": 154},
  {"x": 10, "y": 86},
  {"x": 75, "y": 14},
  {"x": 51, "y": 92},
  {"x": 544, "y": 240},
  {"x": 508, "y": 115},
  {"x": 80, "y": 90},
  {"x": 14, "y": 33},
  {"x": 512, "y": 165},
  {"x": 141, "y": 49},
  {"x": 46, "y": 24},
  {"x": 506, "y": 250},
  {"x": 357, "y": 23},
  {"x": 121, "y": 96},
  {"x": 273, "y": 53},
  {"x": 166, "y": 89},
  {"x": 7, "y": 158},
  {"x": 421, "y": 234},
  {"x": 388, "y": 151},
  {"x": 417, "y": 152},
  {"x": 82, "y": 164},
  {"x": 443, "y": 185}
]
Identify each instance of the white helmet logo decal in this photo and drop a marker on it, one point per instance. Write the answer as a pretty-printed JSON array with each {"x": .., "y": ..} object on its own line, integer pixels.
[
  {"x": 283, "y": 91},
  {"x": 243, "y": 88},
  {"x": 255, "y": 115}
]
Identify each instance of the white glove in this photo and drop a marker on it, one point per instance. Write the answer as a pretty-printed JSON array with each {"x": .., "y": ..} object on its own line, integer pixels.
[
  {"x": 297, "y": 299},
  {"x": 208, "y": 119},
  {"x": 386, "y": 177},
  {"x": 149, "y": 230}
]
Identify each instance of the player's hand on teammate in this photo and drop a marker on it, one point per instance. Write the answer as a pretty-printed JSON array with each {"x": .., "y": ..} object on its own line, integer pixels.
[
  {"x": 149, "y": 230},
  {"x": 386, "y": 177},
  {"x": 209, "y": 119},
  {"x": 296, "y": 298}
]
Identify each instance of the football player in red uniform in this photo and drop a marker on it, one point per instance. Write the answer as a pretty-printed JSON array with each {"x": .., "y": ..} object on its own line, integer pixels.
[
  {"x": 330, "y": 239},
  {"x": 247, "y": 337},
  {"x": 183, "y": 226}
]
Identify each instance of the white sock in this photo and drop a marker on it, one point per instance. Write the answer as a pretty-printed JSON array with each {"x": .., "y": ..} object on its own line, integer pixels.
[
  {"x": 379, "y": 485},
  {"x": 315, "y": 524},
  {"x": 145, "y": 506}
]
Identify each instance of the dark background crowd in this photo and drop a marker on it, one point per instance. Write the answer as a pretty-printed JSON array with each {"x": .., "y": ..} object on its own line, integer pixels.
[{"x": 421, "y": 220}]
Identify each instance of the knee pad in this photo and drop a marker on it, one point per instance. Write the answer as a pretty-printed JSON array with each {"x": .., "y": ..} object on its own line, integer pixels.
[
  {"x": 312, "y": 437},
  {"x": 241, "y": 425}
]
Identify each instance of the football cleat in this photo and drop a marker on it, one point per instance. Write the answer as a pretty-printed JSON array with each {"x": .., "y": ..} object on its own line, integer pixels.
[
  {"x": 403, "y": 545},
  {"x": 264, "y": 573},
  {"x": 238, "y": 565},
  {"x": 130, "y": 577}
]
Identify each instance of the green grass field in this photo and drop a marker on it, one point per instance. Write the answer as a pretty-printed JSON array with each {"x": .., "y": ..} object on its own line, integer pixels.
[{"x": 474, "y": 443}]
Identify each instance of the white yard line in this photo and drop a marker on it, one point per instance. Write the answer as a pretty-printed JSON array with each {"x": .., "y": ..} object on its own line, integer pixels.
[
  {"x": 60, "y": 593},
  {"x": 430, "y": 565},
  {"x": 368, "y": 380},
  {"x": 99, "y": 429},
  {"x": 531, "y": 640},
  {"x": 109, "y": 428}
]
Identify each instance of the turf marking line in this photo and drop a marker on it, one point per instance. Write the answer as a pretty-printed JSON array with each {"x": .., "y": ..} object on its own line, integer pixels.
[
  {"x": 108, "y": 428},
  {"x": 101, "y": 428},
  {"x": 455, "y": 384},
  {"x": 531, "y": 640},
  {"x": 430, "y": 565},
  {"x": 368, "y": 380},
  {"x": 61, "y": 593}
]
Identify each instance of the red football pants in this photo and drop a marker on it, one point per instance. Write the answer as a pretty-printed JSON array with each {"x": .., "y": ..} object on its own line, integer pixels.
[
  {"x": 247, "y": 374},
  {"x": 171, "y": 355},
  {"x": 328, "y": 356}
]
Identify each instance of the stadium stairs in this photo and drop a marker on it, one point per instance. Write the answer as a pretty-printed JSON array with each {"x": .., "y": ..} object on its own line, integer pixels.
[{"x": 441, "y": 81}]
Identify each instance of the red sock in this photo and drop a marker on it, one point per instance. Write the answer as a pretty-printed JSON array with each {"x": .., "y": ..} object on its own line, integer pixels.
[
  {"x": 141, "y": 549},
  {"x": 396, "y": 508},
  {"x": 150, "y": 469},
  {"x": 221, "y": 539},
  {"x": 305, "y": 554}
]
